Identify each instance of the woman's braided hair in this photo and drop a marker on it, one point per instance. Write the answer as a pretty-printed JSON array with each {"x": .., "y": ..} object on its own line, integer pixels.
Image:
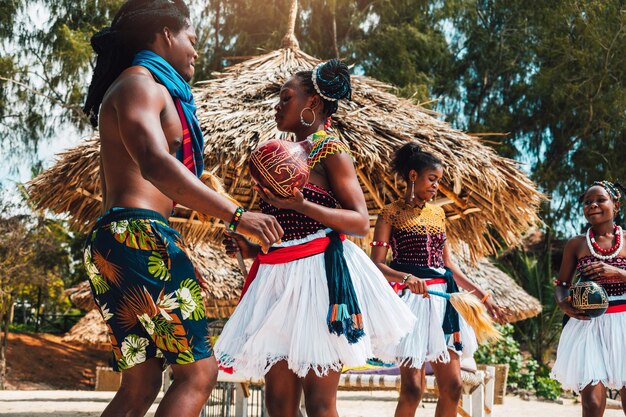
[{"x": 330, "y": 80}]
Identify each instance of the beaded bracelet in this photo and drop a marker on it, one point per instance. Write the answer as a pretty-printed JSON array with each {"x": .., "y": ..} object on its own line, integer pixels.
[
  {"x": 564, "y": 284},
  {"x": 232, "y": 226},
  {"x": 487, "y": 295},
  {"x": 378, "y": 243}
]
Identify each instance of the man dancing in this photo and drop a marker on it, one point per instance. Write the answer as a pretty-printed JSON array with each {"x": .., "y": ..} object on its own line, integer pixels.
[{"x": 151, "y": 156}]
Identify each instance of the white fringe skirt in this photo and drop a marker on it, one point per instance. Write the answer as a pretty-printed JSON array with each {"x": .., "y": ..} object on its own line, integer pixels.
[
  {"x": 283, "y": 317},
  {"x": 591, "y": 352},
  {"x": 427, "y": 342}
]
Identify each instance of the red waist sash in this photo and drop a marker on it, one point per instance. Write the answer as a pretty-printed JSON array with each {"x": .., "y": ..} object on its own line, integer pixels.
[
  {"x": 618, "y": 308},
  {"x": 286, "y": 254}
]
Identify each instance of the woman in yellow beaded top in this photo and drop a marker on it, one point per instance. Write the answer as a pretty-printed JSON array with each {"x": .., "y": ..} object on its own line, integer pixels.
[{"x": 415, "y": 231}]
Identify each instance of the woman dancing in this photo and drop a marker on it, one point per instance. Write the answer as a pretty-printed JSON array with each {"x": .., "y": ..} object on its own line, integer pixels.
[
  {"x": 591, "y": 356},
  {"x": 415, "y": 231},
  {"x": 317, "y": 302}
]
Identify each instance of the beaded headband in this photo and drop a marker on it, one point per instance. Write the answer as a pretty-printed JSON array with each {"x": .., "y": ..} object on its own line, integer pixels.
[
  {"x": 317, "y": 88},
  {"x": 610, "y": 188}
]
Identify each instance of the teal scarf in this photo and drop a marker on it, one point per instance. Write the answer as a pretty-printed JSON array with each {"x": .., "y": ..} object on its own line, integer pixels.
[{"x": 178, "y": 89}]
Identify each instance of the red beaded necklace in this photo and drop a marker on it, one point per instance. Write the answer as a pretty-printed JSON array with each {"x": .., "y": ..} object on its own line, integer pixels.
[{"x": 612, "y": 249}]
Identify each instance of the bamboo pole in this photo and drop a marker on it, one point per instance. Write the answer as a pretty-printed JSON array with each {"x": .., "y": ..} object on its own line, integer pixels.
[{"x": 289, "y": 40}]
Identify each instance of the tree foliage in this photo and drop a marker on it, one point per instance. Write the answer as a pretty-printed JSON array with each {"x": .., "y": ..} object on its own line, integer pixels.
[
  {"x": 45, "y": 62},
  {"x": 549, "y": 73},
  {"x": 38, "y": 260}
]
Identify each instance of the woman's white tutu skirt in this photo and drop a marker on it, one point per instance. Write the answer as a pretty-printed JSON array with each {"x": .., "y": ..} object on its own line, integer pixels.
[
  {"x": 283, "y": 317},
  {"x": 592, "y": 351},
  {"x": 427, "y": 342}
]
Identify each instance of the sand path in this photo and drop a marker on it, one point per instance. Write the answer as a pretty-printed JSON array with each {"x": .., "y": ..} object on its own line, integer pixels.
[{"x": 350, "y": 404}]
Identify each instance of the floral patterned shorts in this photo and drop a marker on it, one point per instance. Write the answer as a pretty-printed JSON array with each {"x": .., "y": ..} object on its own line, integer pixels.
[{"x": 146, "y": 289}]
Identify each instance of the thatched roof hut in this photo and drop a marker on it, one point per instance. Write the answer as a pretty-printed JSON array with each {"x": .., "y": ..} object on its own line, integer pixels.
[
  {"x": 90, "y": 331},
  {"x": 505, "y": 291},
  {"x": 486, "y": 197}
]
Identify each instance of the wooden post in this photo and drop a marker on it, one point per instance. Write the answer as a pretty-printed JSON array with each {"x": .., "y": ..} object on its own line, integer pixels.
[
  {"x": 489, "y": 389},
  {"x": 289, "y": 40},
  {"x": 241, "y": 402}
]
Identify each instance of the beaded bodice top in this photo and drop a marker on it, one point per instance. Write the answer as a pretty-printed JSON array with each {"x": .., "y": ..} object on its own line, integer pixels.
[
  {"x": 296, "y": 225},
  {"x": 613, "y": 286},
  {"x": 417, "y": 235}
]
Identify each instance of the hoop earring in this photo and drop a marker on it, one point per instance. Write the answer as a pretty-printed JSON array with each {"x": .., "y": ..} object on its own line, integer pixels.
[
  {"x": 304, "y": 122},
  {"x": 412, "y": 190}
]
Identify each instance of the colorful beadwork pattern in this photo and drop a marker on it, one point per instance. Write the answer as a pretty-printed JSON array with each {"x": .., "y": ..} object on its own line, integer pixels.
[
  {"x": 418, "y": 235},
  {"x": 613, "y": 286},
  {"x": 429, "y": 220},
  {"x": 297, "y": 225},
  {"x": 324, "y": 145}
]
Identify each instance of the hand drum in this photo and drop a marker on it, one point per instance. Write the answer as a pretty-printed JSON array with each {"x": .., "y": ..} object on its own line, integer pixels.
[
  {"x": 589, "y": 297},
  {"x": 280, "y": 166}
]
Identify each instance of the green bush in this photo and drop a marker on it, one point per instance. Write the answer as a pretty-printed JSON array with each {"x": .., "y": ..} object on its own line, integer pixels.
[
  {"x": 548, "y": 388},
  {"x": 533, "y": 272},
  {"x": 505, "y": 351},
  {"x": 527, "y": 375},
  {"x": 524, "y": 374}
]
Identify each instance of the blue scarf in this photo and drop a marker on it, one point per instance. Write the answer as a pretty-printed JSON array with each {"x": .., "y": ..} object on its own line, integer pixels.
[{"x": 178, "y": 89}]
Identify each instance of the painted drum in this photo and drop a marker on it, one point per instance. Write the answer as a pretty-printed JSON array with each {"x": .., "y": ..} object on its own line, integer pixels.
[
  {"x": 589, "y": 297},
  {"x": 280, "y": 166}
]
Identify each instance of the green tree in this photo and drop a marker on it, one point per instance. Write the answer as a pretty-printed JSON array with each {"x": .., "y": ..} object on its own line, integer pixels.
[
  {"x": 45, "y": 62},
  {"x": 38, "y": 260},
  {"x": 551, "y": 74},
  {"x": 400, "y": 42}
]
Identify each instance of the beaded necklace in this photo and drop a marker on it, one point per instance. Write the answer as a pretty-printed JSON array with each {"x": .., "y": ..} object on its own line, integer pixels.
[
  {"x": 322, "y": 145},
  {"x": 605, "y": 254}
]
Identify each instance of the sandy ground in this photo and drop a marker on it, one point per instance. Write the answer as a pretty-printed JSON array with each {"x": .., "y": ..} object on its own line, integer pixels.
[
  {"x": 351, "y": 404},
  {"x": 44, "y": 362}
]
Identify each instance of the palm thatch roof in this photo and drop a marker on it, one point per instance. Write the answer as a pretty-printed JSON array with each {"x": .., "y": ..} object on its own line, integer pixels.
[
  {"x": 72, "y": 186},
  {"x": 80, "y": 295},
  {"x": 486, "y": 197},
  {"x": 505, "y": 291},
  {"x": 90, "y": 331}
]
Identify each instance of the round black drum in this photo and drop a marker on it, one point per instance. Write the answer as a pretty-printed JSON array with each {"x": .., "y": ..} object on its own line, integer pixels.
[{"x": 589, "y": 297}]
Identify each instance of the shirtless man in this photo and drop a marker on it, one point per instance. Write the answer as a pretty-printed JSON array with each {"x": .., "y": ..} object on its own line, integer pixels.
[{"x": 151, "y": 155}]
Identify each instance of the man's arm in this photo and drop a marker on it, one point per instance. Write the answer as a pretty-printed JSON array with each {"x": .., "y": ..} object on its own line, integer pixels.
[{"x": 138, "y": 105}]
